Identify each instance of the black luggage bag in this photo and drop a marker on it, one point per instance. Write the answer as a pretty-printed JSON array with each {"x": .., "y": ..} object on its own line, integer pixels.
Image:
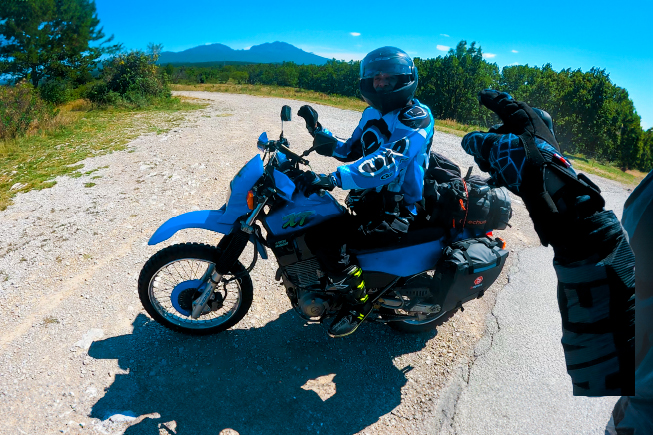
[{"x": 466, "y": 269}]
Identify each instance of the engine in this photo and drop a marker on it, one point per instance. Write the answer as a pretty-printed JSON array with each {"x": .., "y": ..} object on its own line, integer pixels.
[
  {"x": 313, "y": 304},
  {"x": 305, "y": 288}
]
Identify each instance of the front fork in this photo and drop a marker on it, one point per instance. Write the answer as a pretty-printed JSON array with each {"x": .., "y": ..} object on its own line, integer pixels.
[{"x": 235, "y": 245}]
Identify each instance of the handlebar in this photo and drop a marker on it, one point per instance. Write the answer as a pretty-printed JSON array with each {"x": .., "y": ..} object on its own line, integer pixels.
[
  {"x": 280, "y": 145},
  {"x": 291, "y": 155}
]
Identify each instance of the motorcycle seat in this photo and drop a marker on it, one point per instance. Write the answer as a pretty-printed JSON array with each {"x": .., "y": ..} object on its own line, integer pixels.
[{"x": 413, "y": 237}]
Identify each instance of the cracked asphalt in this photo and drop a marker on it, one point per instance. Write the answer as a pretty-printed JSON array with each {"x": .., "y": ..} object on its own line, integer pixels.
[{"x": 517, "y": 382}]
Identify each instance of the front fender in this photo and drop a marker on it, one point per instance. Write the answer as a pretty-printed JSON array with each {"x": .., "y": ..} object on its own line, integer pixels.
[{"x": 204, "y": 219}]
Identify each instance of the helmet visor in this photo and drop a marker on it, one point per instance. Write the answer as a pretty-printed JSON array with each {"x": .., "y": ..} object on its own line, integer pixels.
[{"x": 388, "y": 66}]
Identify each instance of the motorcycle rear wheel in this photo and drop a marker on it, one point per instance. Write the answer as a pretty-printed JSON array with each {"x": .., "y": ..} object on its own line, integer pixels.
[{"x": 180, "y": 267}]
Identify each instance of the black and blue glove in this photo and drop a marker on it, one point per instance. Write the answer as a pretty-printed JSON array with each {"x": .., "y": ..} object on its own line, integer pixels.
[
  {"x": 309, "y": 182},
  {"x": 593, "y": 261},
  {"x": 524, "y": 156},
  {"x": 310, "y": 117}
]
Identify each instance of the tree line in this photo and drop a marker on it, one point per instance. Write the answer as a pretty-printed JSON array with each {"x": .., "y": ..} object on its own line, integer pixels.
[
  {"x": 592, "y": 115},
  {"x": 59, "y": 48}
]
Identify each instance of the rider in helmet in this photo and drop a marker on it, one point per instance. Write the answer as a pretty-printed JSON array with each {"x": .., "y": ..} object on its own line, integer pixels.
[{"x": 386, "y": 158}]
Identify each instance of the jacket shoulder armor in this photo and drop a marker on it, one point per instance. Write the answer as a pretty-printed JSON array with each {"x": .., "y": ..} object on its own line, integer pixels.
[{"x": 414, "y": 117}]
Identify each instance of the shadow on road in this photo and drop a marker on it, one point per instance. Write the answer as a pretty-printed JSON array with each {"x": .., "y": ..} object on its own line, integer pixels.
[{"x": 268, "y": 380}]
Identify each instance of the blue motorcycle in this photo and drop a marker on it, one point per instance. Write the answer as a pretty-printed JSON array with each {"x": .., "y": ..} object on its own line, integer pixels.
[{"x": 200, "y": 289}]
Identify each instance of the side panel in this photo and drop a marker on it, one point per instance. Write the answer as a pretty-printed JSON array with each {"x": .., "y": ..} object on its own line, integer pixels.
[
  {"x": 406, "y": 260},
  {"x": 301, "y": 214}
]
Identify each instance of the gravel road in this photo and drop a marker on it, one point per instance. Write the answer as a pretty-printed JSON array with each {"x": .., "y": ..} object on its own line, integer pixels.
[{"x": 78, "y": 354}]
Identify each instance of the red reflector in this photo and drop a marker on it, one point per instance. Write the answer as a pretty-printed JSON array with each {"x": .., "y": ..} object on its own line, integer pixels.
[
  {"x": 562, "y": 160},
  {"x": 489, "y": 234}
]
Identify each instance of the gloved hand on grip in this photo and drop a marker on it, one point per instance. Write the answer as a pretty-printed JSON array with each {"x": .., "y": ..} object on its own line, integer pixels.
[
  {"x": 309, "y": 182},
  {"x": 310, "y": 116}
]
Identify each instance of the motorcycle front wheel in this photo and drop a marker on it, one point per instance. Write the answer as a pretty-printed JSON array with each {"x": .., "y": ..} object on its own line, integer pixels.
[{"x": 169, "y": 283}]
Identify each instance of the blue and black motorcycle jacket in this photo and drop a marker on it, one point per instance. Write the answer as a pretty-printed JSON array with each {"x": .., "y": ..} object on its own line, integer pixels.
[{"x": 389, "y": 152}]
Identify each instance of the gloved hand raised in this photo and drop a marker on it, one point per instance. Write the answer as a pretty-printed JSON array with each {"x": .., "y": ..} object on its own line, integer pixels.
[
  {"x": 310, "y": 116},
  {"x": 518, "y": 117},
  {"x": 309, "y": 182},
  {"x": 592, "y": 256},
  {"x": 524, "y": 156}
]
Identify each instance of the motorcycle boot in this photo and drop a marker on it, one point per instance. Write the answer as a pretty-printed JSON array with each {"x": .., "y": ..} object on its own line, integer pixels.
[{"x": 353, "y": 313}]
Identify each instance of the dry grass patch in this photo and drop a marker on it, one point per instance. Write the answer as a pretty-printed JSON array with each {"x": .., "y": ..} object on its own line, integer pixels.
[
  {"x": 338, "y": 101},
  {"x": 629, "y": 178},
  {"x": 33, "y": 162}
]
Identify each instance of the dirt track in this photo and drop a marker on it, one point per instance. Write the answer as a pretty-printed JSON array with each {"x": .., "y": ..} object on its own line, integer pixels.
[{"x": 71, "y": 256}]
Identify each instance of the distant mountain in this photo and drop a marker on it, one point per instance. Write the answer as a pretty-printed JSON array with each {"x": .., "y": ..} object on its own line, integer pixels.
[{"x": 270, "y": 52}]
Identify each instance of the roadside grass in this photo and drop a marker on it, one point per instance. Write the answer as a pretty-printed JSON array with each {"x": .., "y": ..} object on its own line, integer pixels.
[
  {"x": 349, "y": 103},
  {"x": 278, "y": 92},
  {"x": 584, "y": 164},
  {"x": 453, "y": 127},
  {"x": 78, "y": 132}
]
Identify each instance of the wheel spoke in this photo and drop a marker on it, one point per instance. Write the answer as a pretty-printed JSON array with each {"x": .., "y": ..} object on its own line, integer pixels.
[{"x": 169, "y": 276}]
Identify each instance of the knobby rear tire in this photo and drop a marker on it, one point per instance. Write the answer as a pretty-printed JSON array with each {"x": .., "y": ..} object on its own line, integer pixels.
[{"x": 196, "y": 251}]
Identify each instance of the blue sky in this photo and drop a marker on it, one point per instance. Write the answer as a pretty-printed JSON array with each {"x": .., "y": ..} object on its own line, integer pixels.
[{"x": 616, "y": 36}]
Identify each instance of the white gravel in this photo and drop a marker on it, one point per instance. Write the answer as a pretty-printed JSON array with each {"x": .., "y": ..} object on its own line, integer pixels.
[{"x": 69, "y": 260}]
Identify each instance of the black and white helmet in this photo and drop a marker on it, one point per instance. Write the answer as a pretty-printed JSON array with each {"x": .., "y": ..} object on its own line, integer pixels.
[{"x": 391, "y": 61}]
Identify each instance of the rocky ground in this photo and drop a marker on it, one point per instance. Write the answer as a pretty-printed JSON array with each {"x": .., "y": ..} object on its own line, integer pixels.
[{"x": 79, "y": 355}]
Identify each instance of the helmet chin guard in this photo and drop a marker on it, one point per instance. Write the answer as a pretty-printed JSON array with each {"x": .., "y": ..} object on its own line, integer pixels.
[{"x": 392, "y": 61}]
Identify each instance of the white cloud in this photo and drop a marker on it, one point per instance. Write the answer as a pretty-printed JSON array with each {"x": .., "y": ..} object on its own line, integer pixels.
[
  {"x": 355, "y": 34},
  {"x": 515, "y": 51},
  {"x": 489, "y": 55},
  {"x": 442, "y": 47},
  {"x": 515, "y": 63},
  {"x": 247, "y": 48},
  {"x": 444, "y": 34}
]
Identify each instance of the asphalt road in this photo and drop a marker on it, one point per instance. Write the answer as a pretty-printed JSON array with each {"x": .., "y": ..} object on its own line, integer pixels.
[{"x": 518, "y": 382}]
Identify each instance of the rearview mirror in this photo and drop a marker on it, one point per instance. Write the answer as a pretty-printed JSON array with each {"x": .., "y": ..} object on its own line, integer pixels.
[{"x": 286, "y": 113}]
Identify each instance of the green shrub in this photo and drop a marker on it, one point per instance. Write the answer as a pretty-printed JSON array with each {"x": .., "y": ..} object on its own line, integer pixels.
[
  {"x": 22, "y": 109},
  {"x": 56, "y": 91},
  {"x": 101, "y": 94},
  {"x": 131, "y": 79}
]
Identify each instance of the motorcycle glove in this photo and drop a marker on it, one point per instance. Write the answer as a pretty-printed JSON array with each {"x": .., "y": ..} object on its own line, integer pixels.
[
  {"x": 525, "y": 158},
  {"x": 310, "y": 116},
  {"x": 518, "y": 117},
  {"x": 310, "y": 182},
  {"x": 593, "y": 262}
]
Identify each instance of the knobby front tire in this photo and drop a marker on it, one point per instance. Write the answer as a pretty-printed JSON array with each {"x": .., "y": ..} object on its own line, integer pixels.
[{"x": 167, "y": 286}]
